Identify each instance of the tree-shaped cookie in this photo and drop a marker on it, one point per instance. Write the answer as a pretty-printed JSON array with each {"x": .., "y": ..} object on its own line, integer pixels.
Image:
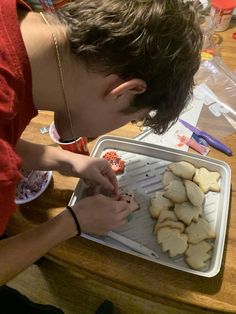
[
  {"x": 172, "y": 241},
  {"x": 198, "y": 254},
  {"x": 199, "y": 231}
]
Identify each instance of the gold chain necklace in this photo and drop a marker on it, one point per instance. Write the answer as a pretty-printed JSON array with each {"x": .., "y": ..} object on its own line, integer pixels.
[{"x": 60, "y": 69}]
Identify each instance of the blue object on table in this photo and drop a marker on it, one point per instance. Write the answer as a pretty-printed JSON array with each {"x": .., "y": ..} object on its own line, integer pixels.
[
  {"x": 212, "y": 141},
  {"x": 199, "y": 140}
]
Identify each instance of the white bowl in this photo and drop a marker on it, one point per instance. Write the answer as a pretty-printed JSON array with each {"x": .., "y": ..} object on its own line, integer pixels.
[{"x": 32, "y": 196}]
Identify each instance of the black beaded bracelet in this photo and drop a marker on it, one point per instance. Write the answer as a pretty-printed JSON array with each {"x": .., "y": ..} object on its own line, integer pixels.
[{"x": 75, "y": 219}]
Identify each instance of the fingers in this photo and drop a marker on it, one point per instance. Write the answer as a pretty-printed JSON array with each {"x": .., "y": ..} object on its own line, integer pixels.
[
  {"x": 126, "y": 216},
  {"x": 108, "y": 183},
  {"x": 111, "y": 177}
]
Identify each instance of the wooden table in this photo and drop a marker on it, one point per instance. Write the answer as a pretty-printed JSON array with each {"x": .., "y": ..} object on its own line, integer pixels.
[{"x": 128, "y": 273}]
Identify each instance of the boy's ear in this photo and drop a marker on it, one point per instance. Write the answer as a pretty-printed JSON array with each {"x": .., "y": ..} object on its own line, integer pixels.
[{"x": 128, "y": 88}]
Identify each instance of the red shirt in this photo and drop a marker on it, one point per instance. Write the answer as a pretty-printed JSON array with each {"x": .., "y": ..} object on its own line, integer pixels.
[{"x": 16, "y": 104}]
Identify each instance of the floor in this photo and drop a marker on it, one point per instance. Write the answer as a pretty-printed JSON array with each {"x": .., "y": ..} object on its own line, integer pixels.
[{"x": 48, "y": 283}]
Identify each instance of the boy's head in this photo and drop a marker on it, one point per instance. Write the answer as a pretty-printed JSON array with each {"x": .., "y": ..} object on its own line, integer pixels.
[{"x": 158, "y": 41}]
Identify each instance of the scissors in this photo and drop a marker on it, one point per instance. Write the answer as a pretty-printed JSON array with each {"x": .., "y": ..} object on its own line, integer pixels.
[{"x": 212, "y": 141}]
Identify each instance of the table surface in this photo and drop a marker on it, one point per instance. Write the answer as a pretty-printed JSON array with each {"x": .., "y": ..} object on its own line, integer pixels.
[{"x": 144, "y": 278}]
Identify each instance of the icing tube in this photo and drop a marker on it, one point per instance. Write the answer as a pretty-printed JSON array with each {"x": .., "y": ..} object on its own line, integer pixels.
[{"x": 194, "y": 145}]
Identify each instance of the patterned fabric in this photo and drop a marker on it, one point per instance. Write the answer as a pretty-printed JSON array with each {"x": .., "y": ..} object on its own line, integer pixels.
[{"x": 46, "y": 5}]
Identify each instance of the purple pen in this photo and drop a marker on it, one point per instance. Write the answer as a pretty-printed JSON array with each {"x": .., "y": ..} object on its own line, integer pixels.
[{"x": 212, "y": 141}]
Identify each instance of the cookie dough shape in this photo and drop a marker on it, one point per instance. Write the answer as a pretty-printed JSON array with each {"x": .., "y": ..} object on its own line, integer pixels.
[
  {"x": 183, "y": 169},
  {"x": 169, "y": 223},
  {"x": 176, "y": 192},
  {"x": 168, "y": 177},
  {"x": 159, "y": 203},
  {"x": 172, "y": 240},
  {"x": 207, "y": 180},
  {"x": 194, "y": 193},
  {"x": 199, "y": 231},
  {"x": 187, "y": 212},
  {"x": 198, "y": 254}
]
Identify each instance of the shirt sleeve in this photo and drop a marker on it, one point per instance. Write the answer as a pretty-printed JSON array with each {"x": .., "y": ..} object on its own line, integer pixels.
[{"x": 10, "y": 164}]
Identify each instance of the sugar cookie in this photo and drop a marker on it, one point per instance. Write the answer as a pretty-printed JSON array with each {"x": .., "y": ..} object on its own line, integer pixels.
[
  {"x": 129, "y": 198},
  {"x": 167, "y": 215},
  {"x": 207, "y": 180},
  {"x": 176, "y": 192},
  {"x": 198, "y": 254},
  {"x": 199, "y": 231},
  {"x": 159, "y": 203},
  {"x": 187, "y": 212},
  {"x": 168, "y": 177},
  {"x": 183, "y": 169},
  {"x": 170, "y": 223},
  {"x": 172, "y": 240},
  {"x": 194, "y": 193}
]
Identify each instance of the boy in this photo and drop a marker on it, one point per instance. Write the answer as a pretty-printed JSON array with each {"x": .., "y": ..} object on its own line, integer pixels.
[{"x": 98, "y": 64}]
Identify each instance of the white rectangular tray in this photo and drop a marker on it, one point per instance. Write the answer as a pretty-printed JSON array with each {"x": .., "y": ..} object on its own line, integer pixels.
[{"x": 144, "y": 166}]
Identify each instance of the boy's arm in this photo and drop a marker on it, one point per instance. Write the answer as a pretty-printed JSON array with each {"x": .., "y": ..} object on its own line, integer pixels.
[
  {"x": 20, "y": 251},
  {"x": 41, "y": 157},
  {"x": 93, "y": 170}
]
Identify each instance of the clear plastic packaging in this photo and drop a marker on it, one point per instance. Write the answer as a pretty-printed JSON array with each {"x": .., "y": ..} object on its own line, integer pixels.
[{"x": 220, "y": 101}]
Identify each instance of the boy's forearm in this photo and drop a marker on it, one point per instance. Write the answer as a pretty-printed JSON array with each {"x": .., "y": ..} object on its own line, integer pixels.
[
  {"x": 41, "y": 157},
  {"x": 20, "y": 251}
]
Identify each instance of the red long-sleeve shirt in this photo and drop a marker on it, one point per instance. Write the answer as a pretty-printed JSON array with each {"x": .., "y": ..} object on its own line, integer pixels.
[{"x": 16, "y": 104}]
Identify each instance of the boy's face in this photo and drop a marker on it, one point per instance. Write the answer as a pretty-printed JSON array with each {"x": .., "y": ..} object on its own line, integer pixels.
[
  {"x": 96, "y": 103},
  {"x": 93, "y": 122}
]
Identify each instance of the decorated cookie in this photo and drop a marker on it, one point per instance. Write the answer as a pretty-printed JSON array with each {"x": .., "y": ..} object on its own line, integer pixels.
[
  {"x": 194, "y": 193},
  {"x": 207, "y": 180},
  {"x": 159, "y": 203},
  {"x": 198, "y": 254},
  {"x": 176, "y": 192},
  {"x": 117, "y": 164},
  {"x": 183, "y": 169},
  {"x": 199, "y": 231},
  {"x": 129, "y": 198},
  {"x": 172, "y": 241}
]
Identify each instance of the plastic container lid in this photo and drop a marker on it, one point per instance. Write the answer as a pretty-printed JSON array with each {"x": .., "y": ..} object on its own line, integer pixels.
[{"x": 224, "y": 4}]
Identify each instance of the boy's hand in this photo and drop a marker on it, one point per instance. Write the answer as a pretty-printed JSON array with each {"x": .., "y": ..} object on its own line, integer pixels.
[
  {"x": 100, "y": 214},
  {"x": 94, "y": 171}
]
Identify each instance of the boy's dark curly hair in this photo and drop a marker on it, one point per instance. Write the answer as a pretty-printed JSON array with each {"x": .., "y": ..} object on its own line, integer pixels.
[{"x": 158, "y": 41}]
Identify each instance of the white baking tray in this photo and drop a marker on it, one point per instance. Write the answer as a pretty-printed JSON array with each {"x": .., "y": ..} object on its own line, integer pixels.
[{"x": 145, "y": 164}]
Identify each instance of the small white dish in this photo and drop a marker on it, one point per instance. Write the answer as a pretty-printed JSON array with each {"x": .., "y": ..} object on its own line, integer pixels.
[{"x": 28, "y": 189}]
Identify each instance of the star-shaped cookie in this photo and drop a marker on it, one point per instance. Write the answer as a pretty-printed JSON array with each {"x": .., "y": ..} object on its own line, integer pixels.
[{"x": 207, "y": 180}]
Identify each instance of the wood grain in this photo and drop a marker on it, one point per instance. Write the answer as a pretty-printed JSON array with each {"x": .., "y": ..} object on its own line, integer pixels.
[{"x": 145, "y": 279}]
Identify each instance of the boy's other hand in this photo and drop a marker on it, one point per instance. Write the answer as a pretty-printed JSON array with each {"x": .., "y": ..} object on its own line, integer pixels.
[{"x": 100, "y": 214}]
